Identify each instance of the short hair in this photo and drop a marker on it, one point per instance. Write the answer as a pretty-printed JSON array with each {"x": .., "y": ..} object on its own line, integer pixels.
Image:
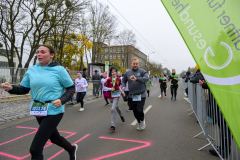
[{"x": 134, "y": 59}]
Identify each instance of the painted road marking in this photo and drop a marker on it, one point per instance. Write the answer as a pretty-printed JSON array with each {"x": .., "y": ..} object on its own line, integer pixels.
[{"x": 145, "y": 111}]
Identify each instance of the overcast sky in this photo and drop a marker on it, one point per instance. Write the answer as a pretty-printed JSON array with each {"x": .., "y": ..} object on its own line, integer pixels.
[{"x": 151, "y": 20}]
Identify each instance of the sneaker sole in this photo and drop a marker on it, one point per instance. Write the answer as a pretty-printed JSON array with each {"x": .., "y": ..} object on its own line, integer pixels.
[{"x": 76, "y": 151}]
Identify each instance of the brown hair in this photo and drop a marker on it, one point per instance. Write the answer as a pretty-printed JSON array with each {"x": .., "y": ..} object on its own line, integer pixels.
[
  {"x": 135, "y": 58},
  {"x": 50, "y": 48}
]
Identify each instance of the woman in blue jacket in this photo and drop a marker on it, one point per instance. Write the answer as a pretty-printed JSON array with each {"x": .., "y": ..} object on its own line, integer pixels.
[{"x": 47, "y": 81}]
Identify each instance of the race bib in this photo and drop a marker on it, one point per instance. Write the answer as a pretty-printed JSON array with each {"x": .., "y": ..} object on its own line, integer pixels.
[
  {"x": 136, "y": 97},
  {"x": 115, "y": 94},
  {"x": 39, "y": 109}
]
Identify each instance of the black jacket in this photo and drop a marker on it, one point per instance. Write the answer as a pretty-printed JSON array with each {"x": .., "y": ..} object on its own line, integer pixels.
[
  {"x": 196, "y": 78},
  {"x": 96, "y": 78},
  {"x": 84, "y": 75},
  {"x": 19, "y": 90}
]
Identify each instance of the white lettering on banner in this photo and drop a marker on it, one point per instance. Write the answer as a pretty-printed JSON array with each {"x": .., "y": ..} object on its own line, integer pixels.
[{"x": 230, "y": 56}]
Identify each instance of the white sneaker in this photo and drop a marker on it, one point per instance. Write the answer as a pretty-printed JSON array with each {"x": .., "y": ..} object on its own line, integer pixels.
[
  {"x": 81, "y": 109},
  {"x": 142, "y": 124},
  {"x": 138, "y": 126},
  {"x": 75, "y": 152}
]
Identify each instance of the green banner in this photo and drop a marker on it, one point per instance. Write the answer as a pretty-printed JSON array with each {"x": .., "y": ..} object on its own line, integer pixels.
[{"x": 211, "y": 30}]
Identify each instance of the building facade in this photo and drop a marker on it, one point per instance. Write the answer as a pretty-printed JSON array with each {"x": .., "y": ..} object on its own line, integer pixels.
[{"x": 122, "y": 55}]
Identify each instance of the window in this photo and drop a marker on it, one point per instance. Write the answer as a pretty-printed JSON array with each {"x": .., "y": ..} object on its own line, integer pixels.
[
  {"x": 119, "y": 56},
  {"x": 119, "y": 49},
  {"x": 102, "y": 56},
  {"x": 122, "y": 56},
  {"x": 123, "y": 48},
  {"x": 114, "y": 56},
  {"x": 114, "y": 49},
  {"x": 106, "y": 49},
  {"x": 122, "y": 63},
  {"x": 110, "y": 49},
  {"x": 110, "y": 57},
  {"x": 106, "y": 56}
]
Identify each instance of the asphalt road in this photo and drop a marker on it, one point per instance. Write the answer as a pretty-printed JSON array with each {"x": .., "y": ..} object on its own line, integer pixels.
[{"x": 168, "y": 135}]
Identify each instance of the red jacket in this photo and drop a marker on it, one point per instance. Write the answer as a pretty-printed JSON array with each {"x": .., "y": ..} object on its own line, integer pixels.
[{"x": 109, "y": 84}]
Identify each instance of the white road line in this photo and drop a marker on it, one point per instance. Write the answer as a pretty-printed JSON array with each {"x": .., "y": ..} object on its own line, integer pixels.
[{"x": 145, "y": 111}]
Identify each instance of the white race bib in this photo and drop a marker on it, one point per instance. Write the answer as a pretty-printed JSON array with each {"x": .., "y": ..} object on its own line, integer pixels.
[
  {"x": 136, "y": 97},
  {"x": 39, "y": 109}
]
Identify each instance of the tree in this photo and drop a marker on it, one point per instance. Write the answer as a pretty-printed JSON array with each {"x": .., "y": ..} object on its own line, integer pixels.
[
  {"x": 103, "y": 25},
  {"x": 126, "y": 39}
]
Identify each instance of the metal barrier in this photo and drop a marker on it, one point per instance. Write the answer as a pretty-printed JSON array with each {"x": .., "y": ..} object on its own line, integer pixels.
[{"x": 212, "y": 122}]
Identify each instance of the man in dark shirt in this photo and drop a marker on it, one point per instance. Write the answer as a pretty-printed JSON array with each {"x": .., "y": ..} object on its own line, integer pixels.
[{"x": 96, "y": 83}]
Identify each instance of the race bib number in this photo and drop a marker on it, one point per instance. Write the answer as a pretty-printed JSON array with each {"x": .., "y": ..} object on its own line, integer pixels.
[
  {"x": 115, "y": 94},
  {"x": 39, "y": 109},
  {"x": 136, "y": 97}
]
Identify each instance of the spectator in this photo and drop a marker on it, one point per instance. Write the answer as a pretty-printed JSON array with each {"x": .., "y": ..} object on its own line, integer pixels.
[
  {"x": 84, "y": 75},
  {"x": 96, "y": 83},
  {"x": 195, "y": 78},
  {"x": 186, "y": 80}
]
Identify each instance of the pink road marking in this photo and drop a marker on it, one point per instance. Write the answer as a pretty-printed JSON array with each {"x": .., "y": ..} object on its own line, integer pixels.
[
  {"x": 72, "y": 144},
  {"x": 125, "y": 151},
  {"x": 20, "y": 158},
  {"x": 9, "y": 155}
]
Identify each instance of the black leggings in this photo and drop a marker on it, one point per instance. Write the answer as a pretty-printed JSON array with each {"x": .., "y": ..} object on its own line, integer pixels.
[
  {"x": 126, "y": 96},
  {"x": 48, "y": 130},
  {"x": 174, "y": 90},
  {"x": 163, "y": 89},
  {"x": 148, "y": 93},
  {"x": 80, "y": 96}
]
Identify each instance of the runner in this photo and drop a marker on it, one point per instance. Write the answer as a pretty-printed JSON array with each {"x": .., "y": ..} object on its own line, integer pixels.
[
  {"x": 163, "y": 84},
  {"x": 136, "y": 78},
  {"x": 104, "y": 89},
  {"x": 174, "y": 84},
  {"x": 47, "y": 81},
  {"x": 125, "y": 99},
  {"x": 80, "y": 86},
  {"x": 113, "y": 84},
  {"x": 148, "y": 86}
]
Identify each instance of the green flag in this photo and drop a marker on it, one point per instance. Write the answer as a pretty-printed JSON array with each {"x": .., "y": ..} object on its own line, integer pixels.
[{"x": 211, "y": 30}]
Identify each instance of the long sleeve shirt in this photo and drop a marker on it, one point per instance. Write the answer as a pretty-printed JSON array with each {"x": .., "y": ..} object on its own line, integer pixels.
[
  {"x": 103, "y": 81},
  {"x": 138, "y": 86},
  {"x": 81, "y": 82}
]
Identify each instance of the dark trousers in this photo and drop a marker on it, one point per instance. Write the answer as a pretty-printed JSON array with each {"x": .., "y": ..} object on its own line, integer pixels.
[
  {"x": 174, "y": 90},
  {"x": 95, "y": 89},
  {"x": 80, "y": 97},
  {"x": 137, "y": 107},
  {"x": 126, "y": 96},
  {"x": 48, "y": 130},
  {"x": 163, "y": 89},
  {"x": 186, "y": 90},
  {"x": 148, "y": 92}
]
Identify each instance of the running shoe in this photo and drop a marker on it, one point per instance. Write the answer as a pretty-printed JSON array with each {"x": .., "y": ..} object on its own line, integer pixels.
[
  {"x": 171, "y": 98},
  {"x": 122, "y": 118},
  {"x": 142, "y": 124},
  {"x": 112, "y": 128},
  {"x": 138, "y": 127},
  {"x": 175, "y": 99},
  {"x": 81, "y": 109},
  {"x": 107, "y": 104},
  {"x": 161, "y": 97},
  {"x": 165, "y": 94},
  {"x": 73, "y": 155},
  {"x": 125, "y": 102}
]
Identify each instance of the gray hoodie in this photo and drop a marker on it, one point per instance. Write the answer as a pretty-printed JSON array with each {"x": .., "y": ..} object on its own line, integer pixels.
[{"x": 138, "y": 86}]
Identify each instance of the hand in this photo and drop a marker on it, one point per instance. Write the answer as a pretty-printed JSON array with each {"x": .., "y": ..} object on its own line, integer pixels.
[
  {"x": 123, "y": 89},
  {"x": 112, "y": 89},
  {"x": 200, "y": 82},
  {"x": 6, "y": 85},
  {"x": 57, "y": 103},
  {"x": 158, "y": 83},
  {"x": 174, "y": 78},
  {"x": 76, "y": 91},
  {"x": 80, "y": 86},
  {"x": 133, "y": 78},
  {"x": 124, "y": 94}
]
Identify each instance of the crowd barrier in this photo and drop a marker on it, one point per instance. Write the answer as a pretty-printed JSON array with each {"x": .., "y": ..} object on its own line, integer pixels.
[{"x": 213, "y": 125}]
